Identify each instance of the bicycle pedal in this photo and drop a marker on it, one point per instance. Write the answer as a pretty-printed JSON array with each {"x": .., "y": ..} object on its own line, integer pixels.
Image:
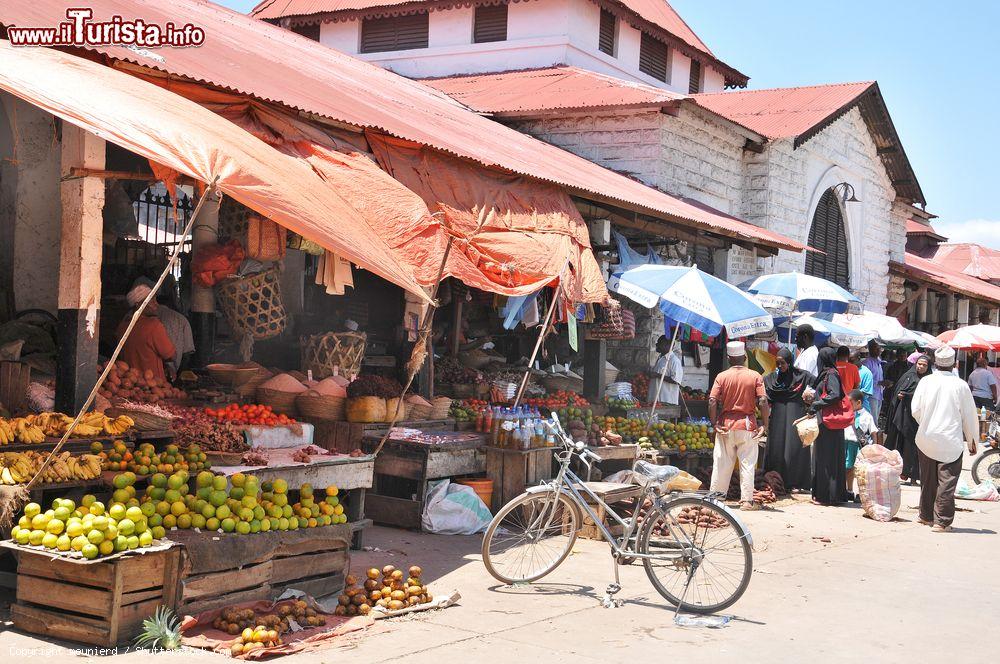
[{"x": 613, "y": 589}]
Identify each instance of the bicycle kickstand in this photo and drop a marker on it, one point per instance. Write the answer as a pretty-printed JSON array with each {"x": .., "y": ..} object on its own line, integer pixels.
[{"x": 609, "y": 601}]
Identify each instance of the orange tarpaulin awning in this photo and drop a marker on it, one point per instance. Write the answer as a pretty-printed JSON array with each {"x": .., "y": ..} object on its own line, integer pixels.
[
  {"x": 533, "y": 234},
  {"x": 182, "y": 135}
]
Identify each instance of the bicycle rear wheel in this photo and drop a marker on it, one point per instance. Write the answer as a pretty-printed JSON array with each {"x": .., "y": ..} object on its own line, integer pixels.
[
  {"x": 987, "y": 467},
  {"x": 703, "y": 558},
  {"x": 530, "y": 536}
]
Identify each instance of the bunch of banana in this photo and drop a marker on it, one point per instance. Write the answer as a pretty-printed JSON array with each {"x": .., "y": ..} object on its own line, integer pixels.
[
  {"x": 91, "y": 424},
  {"x": 119, "y": 425},
  {"x": 52, "y": 424},
  {"x": 6, "y": 432},
  {"x": 26, "y": 432},
  {"x": 16, "y": 468}
]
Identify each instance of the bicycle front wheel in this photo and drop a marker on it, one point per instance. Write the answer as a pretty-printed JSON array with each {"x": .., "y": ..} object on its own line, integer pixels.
[
  {"x": 700, "y": 556},
  {"x": 530, "y": 536},
  {"x": 987, "y": 467}
]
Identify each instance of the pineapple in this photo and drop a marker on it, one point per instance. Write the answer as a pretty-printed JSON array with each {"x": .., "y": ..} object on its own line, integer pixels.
[{"x": 162, "y": 631}]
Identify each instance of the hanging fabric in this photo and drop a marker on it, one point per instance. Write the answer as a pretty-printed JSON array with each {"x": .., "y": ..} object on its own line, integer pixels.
[
  {"x": 334, "y": 273},
  {"x": 629, "y": 257}
]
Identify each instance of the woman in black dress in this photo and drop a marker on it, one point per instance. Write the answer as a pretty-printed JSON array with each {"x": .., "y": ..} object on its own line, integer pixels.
[
  {"x": 900, "y": 427},
  {"x": 785, "y": 453},
  {"x": 829, "y": 473}
]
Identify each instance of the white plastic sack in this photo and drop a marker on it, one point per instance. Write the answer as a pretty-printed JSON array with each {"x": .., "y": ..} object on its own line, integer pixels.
[
  {"x": 454, "y": 509},
  {"x": 984, "y": 491},
  {"x": 877, "y": 471}
]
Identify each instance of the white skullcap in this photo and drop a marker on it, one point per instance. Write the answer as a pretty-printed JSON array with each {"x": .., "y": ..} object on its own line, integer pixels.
[
  {"x": 736, "y": 349},
  {"x": 137, "y": 295},
  {"x": 944, "y": 356}
]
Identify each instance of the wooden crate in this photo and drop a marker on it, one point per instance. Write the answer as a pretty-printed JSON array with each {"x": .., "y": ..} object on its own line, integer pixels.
[
  {"x": 610, "y": 493},
  {"x": 298, "y": 562},
  {"x": 512, "y": 471},
  {"x": 345, "y": 437},
  {"x": 101, "y": 603}
]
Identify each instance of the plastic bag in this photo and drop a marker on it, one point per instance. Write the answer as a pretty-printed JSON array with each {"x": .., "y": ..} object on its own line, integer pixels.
[
  {"x": 877, "y": 471},
  {"x": 454, "y": 509},
  {"x": 683, "y": 481},
  {"x": 984, "y": 491},
  {"x": 808, "y": 429}
]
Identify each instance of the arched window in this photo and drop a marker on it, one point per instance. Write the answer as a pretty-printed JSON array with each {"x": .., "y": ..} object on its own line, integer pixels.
[{"x": 828, "y": 235}]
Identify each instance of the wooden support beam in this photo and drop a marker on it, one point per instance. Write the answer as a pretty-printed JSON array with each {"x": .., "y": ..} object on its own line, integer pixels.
[
  {"x": 895, "y": 309},
  {"x": 753, "y": 146},
  {"x": 82, "y": 172}
]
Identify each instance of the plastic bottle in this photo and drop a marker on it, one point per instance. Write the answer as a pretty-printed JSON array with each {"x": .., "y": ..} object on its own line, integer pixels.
[
  {"x": 488, "y": 421},
  {"x": 527, "y": 433}
]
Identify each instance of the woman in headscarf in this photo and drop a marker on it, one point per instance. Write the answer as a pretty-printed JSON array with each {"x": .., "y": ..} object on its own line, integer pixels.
[
  {"x": 828, "y": 450},
  {"x": 785, "y": 453},
  {"x": 900, "y": 427}
]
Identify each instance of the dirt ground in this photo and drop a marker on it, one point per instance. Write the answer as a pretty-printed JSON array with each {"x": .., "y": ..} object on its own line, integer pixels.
[{"x": 888, "y": 592}]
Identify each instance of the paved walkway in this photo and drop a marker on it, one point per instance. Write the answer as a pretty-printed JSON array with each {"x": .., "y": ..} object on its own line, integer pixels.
[{"x": 888, "y": 592}]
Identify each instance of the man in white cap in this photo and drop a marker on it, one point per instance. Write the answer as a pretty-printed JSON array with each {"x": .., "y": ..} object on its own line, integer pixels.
[
  {"x": 732, "y": 406},
  {"x": 943, "y": 407}
]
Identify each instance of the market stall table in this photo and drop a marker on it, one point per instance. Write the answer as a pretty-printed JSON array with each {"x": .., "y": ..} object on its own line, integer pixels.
[
  {"x": 351, "y": 475},
  {"x": 410, "y": 460},
  {"x": 345, "y": 437}
]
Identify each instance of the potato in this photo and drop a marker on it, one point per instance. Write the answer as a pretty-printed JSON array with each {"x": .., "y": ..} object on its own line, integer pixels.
[
  {"x": 397, "y": 575},
  {"x": 344, "y": 600},
  {"x": 357, "y": 600},
  {"x": 341, "y": 610},
  {"x": 412, "y": 601},
  {"x": 375, "y": 595},
  {"x": 415, "y": 572},
  {"x": 372, "y": 573},
  {"x": 396, "y": 605},
  {"x": 388, "y": 570},
  {"x": 414, "y": 590},
  {"x": 397, "y": 595},
  {"x": 350, "y": 580},
  {"x": 363, "y": 610},
  {"x": 371, "y": 584}
]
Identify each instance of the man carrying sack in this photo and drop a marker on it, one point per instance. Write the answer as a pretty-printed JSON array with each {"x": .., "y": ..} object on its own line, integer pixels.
[
  {"x": 943, "y": 406},
  {"x": 732, "y": 409}
]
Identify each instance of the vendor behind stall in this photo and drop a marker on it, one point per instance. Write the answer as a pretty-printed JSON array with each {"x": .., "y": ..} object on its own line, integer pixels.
[
  {"x": 670, "y": 391},
  {"x": 148, "y": 347},
  {"x": 175, "y": 323}
]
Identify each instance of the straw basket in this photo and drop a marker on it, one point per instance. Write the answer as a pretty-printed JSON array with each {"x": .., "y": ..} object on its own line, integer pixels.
[
  {"x": 231, "y": 375},
  {"x": 280, "y": 402},
  {"x": 316, "y": 406},
  {"x": 143, "y": 421},
  {"x": 248, "y": 389},
  {"x": 440, "y": 408},
  {"x": 365, "y": 409},
  {"x": 556, "y": 383},
  {"x": 418, "y": 411},
  {"x": 323, "y": 352},
  {"x": 252, "y": 305},
  {"x": 390, "y": 410}
]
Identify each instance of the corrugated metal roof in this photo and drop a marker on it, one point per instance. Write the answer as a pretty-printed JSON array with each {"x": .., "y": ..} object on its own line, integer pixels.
[
  {"x": 562, "y": 87},
  {"x": 974, "y": 260},
  {"x": 948, "y": 280},
  {"x": 654, "y": 16},
  {"x": 800, "y": 113},
  {"x": 258, "y": 59},
  {"x": 782, "y": 112}
]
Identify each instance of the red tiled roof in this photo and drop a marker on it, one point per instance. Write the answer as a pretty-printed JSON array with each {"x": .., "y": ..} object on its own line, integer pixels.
[
  {"x": 972, "y": 259},
  {"x": 651, "y": 15},
  {"x": 782, "y": 112},
  {"x": 561, "y": 87},
  {"x": 263, "y": 61},
  {"x": 800, "y": 113},
  {"x": 914, "y": 227},
  {"x": 949, "y": 280}
]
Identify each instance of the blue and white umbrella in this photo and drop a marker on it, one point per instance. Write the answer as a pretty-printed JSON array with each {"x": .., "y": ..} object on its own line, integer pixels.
[
  {"x": 791, "y": 291},
  {"x": 840, "y": 334},
  {"x": 694, "y": 298}
]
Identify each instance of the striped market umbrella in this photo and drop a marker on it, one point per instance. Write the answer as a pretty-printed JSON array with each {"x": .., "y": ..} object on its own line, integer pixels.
[
  {"x": 791, "y": 291},
  {"x": 693, "y": 297},
  {"x": 972, "y": 337}
]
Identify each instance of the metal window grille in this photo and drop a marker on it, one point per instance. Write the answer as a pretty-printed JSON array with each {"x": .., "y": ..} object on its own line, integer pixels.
[
  {"x": 606, "y": 35},
  {"x": 490, "y": 24},
  {"x": 161, "y": 223},
  {"x": 654, "y": 57},
  {"x": 394, "y": 33}
]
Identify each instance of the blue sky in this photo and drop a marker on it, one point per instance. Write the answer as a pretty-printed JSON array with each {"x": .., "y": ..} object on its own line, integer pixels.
[{"x": 936, "y": 64}]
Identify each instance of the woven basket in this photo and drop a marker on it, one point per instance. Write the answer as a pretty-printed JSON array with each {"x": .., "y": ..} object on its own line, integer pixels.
[
  {"x": 390, "y": 410},
  {"x": 322, "y": 353},
  {"x": 233, "y": 219},
  {"x": 440, "y": 409},
  {"x": 316, "y": 406},
  {"x": 143, "y": 421},
  {"x": 280, "y": 402},
  {"x": 253, "y": 307},
  {"x": 248, "y": 389},
  {"x": 365, "y": 409},
  {"x": 418, "y": 411},
  {"x": 556, "y": 383},
  {"x": 231, "y": 374}
]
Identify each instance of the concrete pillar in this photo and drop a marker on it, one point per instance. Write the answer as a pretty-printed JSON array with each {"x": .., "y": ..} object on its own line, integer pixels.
[
  {"x": 202, "y": 318},
  {"x": 79, "y": 268},
  {"x": 595, "y": 356},
  {"x": 952, "y": 310},
  {"x": 963, "y": 312},
  {"x": 921, "y": 313}
]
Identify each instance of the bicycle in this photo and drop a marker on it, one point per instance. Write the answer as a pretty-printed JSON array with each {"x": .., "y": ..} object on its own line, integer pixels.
[
  {"x": 987, "y": 465},
  {"x": 688, "y": 542}
]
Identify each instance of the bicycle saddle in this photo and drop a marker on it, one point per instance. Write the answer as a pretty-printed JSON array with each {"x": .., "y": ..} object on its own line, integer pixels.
[{"x": 655, "y": 473}]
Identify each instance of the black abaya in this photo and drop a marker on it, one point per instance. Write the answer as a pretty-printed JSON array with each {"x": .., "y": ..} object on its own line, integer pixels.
[
  {"x": 785, "y": 453},
  {"x": 829, "y": 473},
  {"x": 901, "y": 428}
]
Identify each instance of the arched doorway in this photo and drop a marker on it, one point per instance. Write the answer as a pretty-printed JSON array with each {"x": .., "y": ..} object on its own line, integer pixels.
[{"x": 829, "y": 235}]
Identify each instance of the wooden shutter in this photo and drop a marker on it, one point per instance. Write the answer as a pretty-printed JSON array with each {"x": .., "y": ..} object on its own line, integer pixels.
[
  {"x": 829, "y": 235},
  {"x": 394, "y": 33},
  {"x": 310, "y": 31},
  {"x": 694, "y": 84},
  {"x": 490, "y": 24},
  {"x": 653, "y": 57},
  {"x": 606, "y": 36}
]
